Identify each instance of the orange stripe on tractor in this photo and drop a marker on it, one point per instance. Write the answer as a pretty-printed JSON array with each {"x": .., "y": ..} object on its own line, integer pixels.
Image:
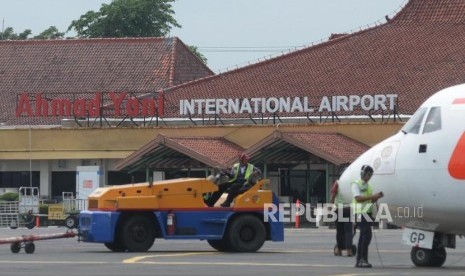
[{"x": 457, "y": 160}]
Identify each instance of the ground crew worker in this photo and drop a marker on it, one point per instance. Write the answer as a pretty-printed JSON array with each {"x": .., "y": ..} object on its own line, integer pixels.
[
  {"x": 243, "y": 176},
  {"x": 363, "y": 199},
  {"x": 344, "y": 227}
]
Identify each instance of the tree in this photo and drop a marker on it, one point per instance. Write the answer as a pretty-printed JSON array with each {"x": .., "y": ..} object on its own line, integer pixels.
[
  {"x": 130, "y": 18},
  {"x": 120, "y": 18},
  {"x": 196, "y": 52},
  {"x": 9, "y": 33},
  {"x": 50, "y": 33},
  {"x": 127, "y": 18}
]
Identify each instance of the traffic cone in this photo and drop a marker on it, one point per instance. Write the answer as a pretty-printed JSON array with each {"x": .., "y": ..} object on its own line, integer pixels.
[
  {"x": 37, "y": 221},
  {"x": 297, "y": 217}
]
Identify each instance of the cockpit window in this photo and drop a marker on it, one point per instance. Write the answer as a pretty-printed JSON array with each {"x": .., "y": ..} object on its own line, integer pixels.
[
  {"x": 413, "y": 125},
  {"x": 433, "y": 121}
]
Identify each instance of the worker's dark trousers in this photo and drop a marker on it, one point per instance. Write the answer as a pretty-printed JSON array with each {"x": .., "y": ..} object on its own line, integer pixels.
[
  {"x": 234, "y": 190},
  {"x": 216, "y": 195},
  {"x": 344, "y": 230},
  {"x": 364, "y": 239}
]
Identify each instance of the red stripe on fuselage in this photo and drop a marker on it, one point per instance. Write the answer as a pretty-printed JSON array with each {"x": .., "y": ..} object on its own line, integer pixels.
[
  {"x": 457, "y": 160},
  {"x": 459, "y": 101}
]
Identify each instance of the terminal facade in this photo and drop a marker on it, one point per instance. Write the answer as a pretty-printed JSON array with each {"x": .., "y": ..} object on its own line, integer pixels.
[{"x": 148, "y": 109}]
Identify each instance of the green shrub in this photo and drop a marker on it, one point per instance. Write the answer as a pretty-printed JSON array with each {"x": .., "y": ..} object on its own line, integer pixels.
[{"x": 9, "y": 197}]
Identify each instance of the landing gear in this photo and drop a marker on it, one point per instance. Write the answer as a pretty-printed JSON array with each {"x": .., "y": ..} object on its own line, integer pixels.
[
  {"x": 428, "y": 257},
  {"x": 434, "y": 257}
]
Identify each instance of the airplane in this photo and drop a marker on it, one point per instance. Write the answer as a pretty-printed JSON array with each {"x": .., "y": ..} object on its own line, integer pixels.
[{"x": 421, "y": 171}]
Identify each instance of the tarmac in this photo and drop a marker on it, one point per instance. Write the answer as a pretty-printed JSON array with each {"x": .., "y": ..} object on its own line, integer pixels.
[{"x": 305, "y": 251}]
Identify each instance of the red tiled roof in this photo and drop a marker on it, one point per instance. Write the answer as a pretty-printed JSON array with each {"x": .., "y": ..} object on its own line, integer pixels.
[
  {"x": 217, "y": 149},
  {"x": 72, "y": 68},
  {"x": 175, "y": 152},
  {"x": 432, "y": 11},
  {"x": 415, "y": 54},
  {"x": 332, "y": 147}
]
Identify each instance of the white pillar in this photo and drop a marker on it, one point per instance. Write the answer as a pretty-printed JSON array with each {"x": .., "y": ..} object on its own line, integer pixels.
[{"x": 45, "y": 178}]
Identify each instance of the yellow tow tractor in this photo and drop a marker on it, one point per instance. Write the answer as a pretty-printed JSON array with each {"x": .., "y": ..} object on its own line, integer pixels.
[{"x": 131, "y": 217}]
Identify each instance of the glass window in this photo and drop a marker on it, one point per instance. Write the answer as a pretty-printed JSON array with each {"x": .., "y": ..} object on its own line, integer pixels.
[
  {"x": 307, "y": 186},
  {"x": 19, "y": 179},
  {"x": 413, "y": 125},
  {"x": 433, "y": 121}
]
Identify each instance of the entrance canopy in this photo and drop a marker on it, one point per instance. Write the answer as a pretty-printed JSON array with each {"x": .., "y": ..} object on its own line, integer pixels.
[
  {"x": 291, "y": 148},
  {"x": 306, "y": 147},
  {"x": 181, "y": 152}
]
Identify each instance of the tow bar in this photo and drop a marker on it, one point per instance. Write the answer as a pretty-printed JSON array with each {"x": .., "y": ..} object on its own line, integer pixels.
[{"x": 27, "y": 241}]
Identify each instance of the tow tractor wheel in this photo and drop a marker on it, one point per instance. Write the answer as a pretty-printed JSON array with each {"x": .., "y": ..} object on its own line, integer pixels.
[
  {"x": 29, "y": 248},
  {"x": 138, "y": 233},
  {"x": 115, "y": 246},
  {"x": 15, "y": 247},
  {"x": 246, "y": 233},
  {"x": 428, "y": 257},
  {"x": 71, "y": 222},
  {"x": 220, "y": 245}
]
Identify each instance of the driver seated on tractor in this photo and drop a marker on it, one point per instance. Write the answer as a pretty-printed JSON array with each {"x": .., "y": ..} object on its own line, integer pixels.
[{"x": 243, "y": 176}]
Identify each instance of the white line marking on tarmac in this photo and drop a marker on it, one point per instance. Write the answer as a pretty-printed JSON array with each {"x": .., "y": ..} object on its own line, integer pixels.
[
  {"x": 137, "y": 259},
  {"x": 325, "y": 251},
  {"x": 356, "y": 274},
  {"x": 236, "y": 264},
  {"x": 54, "y": 262}
]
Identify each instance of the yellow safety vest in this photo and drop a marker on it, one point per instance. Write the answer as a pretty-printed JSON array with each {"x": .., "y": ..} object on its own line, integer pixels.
[
  {"x": 365, "y": 190},
  {"x": 248, "y": 172},
  {"x": 339, "y": 199}
]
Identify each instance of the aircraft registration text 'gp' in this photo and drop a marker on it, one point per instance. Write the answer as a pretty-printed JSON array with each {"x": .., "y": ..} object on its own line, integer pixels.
[{"x": 418, "y": 238}]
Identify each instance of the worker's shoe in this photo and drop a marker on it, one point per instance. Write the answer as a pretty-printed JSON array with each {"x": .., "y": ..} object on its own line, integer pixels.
[
  {"x": 337, "y": 252},
  {"x": 363, "y": 264},
  {"x": 225, "y": 204},
  {"x": 349, "y": 253}
]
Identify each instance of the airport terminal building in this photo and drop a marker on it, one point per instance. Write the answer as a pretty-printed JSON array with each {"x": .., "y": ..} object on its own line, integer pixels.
[{"x": 147, "y": 108}]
